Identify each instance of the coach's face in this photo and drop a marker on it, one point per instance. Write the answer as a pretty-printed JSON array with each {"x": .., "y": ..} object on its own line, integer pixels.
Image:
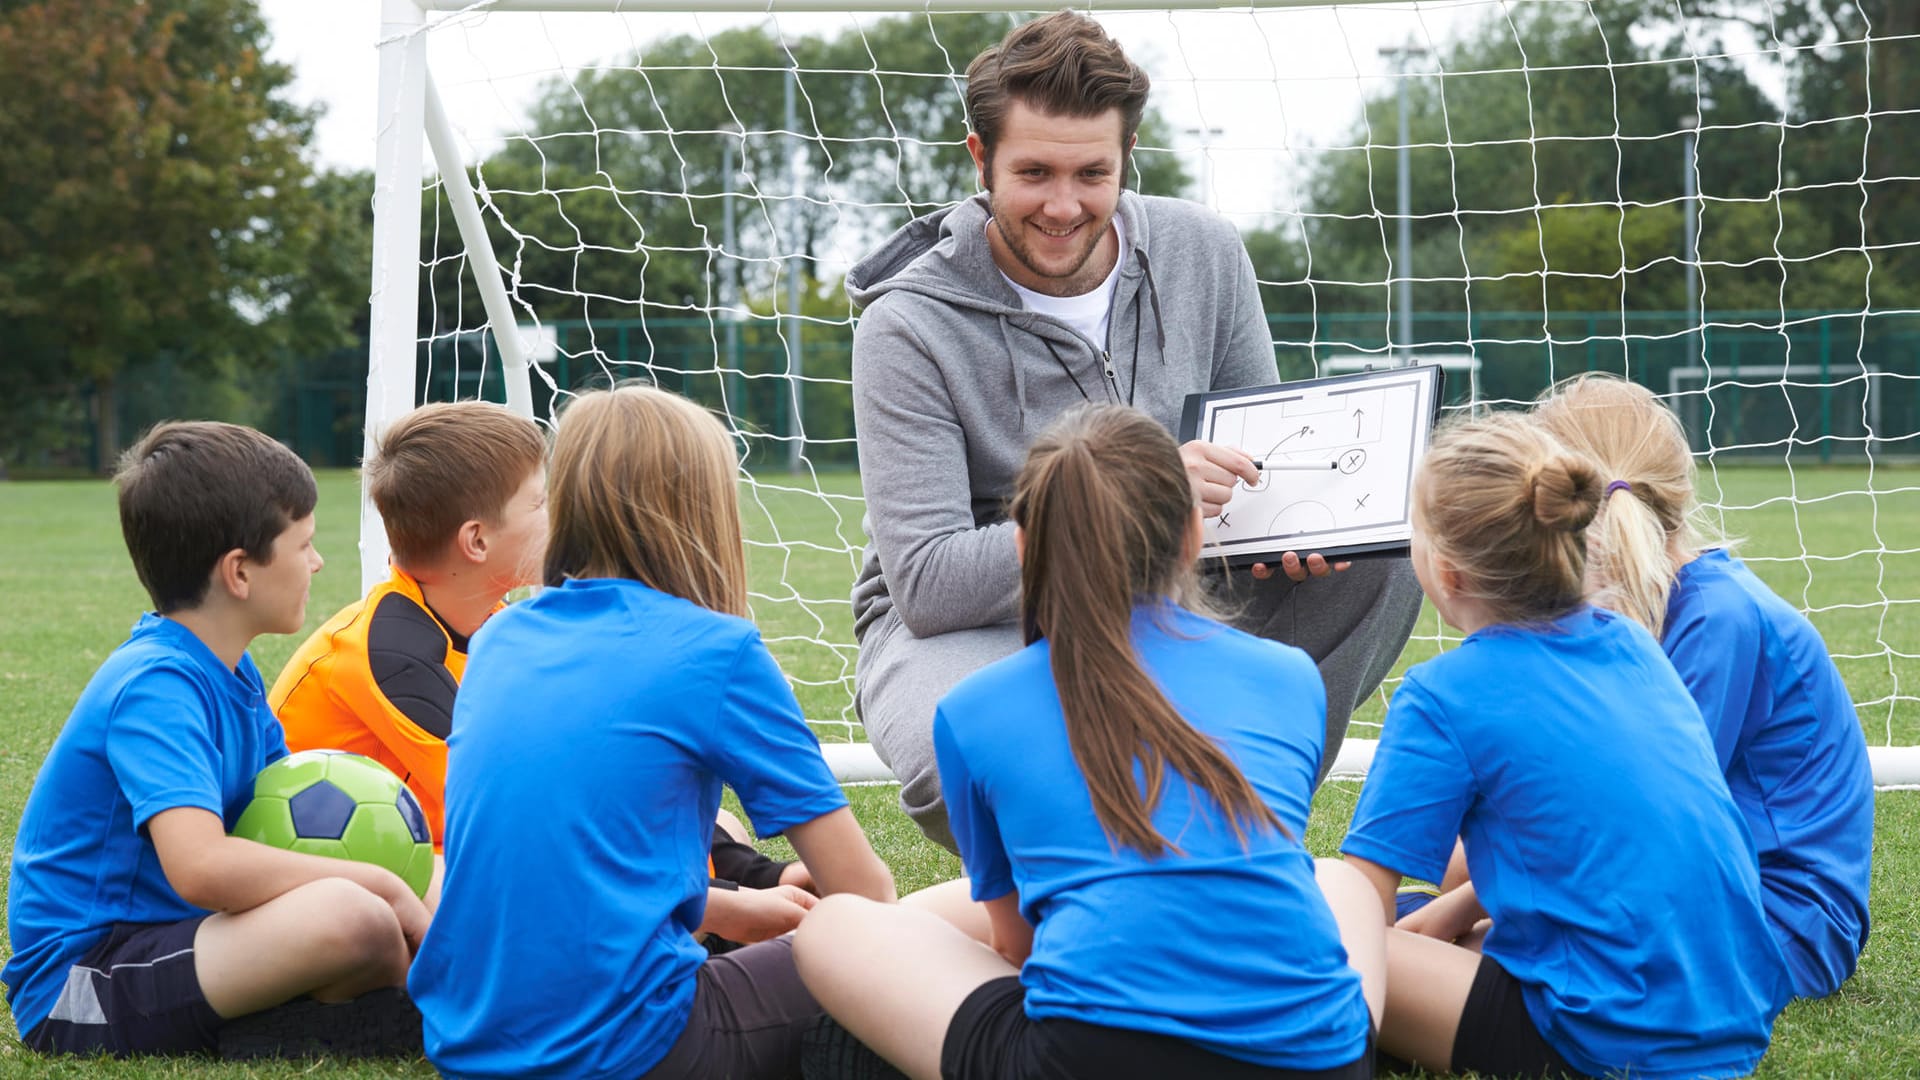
[{"x": 1053, "y": 184}]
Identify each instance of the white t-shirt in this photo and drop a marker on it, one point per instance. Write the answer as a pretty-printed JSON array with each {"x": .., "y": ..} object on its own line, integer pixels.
[{"x": 1086, "y": 313}]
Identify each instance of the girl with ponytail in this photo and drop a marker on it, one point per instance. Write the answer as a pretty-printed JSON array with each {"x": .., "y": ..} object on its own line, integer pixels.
[
  {"x": 1128, "y": 793},
  {"x": 1560, "y": 747},
  {"x": 1782, "y": 722}
]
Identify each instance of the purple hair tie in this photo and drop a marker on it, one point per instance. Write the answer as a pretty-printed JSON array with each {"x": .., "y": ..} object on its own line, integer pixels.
[{"x": 1617, "y": 485}]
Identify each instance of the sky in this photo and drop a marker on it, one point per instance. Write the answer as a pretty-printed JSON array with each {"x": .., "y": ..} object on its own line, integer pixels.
[{"x": 1245, "y": 93}]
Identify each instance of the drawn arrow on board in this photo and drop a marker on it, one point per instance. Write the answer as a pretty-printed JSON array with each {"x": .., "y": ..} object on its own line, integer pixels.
[{"x": 1357, "y": 414}]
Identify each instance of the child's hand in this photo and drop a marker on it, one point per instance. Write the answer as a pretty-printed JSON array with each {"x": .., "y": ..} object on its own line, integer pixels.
[
  {"x": 797, "y": 875},
  {"x": 751, "y": 915},
  {"x": 1450, "y": 917}
]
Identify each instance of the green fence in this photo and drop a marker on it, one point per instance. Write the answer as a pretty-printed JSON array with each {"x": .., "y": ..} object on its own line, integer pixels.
[{"x": 1816, "y": 385}]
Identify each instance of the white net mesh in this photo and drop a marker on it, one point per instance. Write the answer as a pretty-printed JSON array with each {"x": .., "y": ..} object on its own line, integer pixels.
[{"x": 1724, "y": 209}]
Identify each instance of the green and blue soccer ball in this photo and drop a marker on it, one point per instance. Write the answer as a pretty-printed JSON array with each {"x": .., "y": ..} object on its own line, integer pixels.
[{"x": 341, "y": 805}]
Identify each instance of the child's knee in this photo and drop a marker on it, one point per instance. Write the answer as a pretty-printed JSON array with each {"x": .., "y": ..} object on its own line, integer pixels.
[
  {"x": 828, "y": 926},
  {"x": 353, "y": 924}
]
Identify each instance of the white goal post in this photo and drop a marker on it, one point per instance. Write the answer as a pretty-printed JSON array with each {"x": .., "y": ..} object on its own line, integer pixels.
[{"x": 1395, "y": 165}]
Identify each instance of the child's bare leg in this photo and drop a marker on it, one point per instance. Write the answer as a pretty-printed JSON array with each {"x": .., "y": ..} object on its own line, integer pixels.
[
  {"x": 892, "y": 975},
  {"x": 329, "y": 938},
  {"x": 432, "y": 898},
  {"x": 1356, "y": 911},
  {"x": 1427, "y": 985},
  {"x": 733, "y": 827},
  {"x": 1456, "y": 874},
  {"x": 953, "y": 901}
]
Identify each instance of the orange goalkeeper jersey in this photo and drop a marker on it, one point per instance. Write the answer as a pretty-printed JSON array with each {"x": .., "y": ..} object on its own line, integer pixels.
[{"x": 379, "y": 679}]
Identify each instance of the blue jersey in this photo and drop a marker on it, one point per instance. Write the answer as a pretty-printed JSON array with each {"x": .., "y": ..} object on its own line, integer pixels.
[
  {"x": 591, "y": 736},
  {"x": 1179, "y": 945},
  {"x": 1786, "y": 735},
  {"x": 163, "y": 724},
  {"x": 1600, "y": 836}
]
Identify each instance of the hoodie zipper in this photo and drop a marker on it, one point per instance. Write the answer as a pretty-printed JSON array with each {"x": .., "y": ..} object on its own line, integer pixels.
[{"x": 1113, "y": 380}]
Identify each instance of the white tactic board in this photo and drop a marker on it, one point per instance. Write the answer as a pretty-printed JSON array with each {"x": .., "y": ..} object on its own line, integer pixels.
[{"x": 1340, "y": 455}]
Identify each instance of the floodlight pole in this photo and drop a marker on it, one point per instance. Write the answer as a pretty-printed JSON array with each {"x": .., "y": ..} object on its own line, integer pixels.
[
  {"x": 1206, "y": 134},
  {"x": 1403, "y": 263},
  {"x": 796, "y": 439},
  {"x": 1690, "y": 126},
  {"x": 730, "y": 266}
]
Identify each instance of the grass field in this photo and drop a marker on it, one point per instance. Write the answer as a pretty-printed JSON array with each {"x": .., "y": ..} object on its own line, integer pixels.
[{"x": 1838, "y": 540}]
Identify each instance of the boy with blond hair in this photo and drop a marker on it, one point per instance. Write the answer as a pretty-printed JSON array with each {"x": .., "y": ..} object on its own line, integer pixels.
[
  {"x": 462, "y": 490},
  {"x": 137, "y": 924}
]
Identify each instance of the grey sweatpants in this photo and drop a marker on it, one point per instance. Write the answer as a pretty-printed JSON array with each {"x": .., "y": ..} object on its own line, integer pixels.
[{"x": 1353, "y": 623}]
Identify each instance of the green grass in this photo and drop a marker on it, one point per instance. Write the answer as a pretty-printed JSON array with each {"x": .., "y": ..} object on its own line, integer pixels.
[{"x": 68, "y": 595}]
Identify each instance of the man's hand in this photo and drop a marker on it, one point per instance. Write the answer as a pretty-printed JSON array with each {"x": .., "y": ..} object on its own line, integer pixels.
[
  {"x": 752, "y": 915},
  {"x": 1296, "y": 570},
  {"x": 1213, "y": 468}
]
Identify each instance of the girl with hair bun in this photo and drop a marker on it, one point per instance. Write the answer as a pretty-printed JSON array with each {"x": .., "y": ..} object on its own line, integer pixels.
[
  {"x": 1783, "y": 725},
  {"x": 1557, "y": 742},
  {"x": 1128, "y": 793}
]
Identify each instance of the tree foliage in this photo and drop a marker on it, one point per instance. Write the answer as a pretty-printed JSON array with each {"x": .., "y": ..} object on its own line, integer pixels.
[
  {"x": 1548, "y": 170},
  {"x": 153, "y": 195},
  {"x": 612, "y": 201}
]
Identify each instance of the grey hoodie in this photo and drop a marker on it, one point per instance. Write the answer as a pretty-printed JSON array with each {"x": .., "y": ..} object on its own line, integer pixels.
[{"x": 953, "y": 379}]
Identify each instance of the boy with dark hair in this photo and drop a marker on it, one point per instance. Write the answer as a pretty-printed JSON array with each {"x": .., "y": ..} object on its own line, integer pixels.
[
  {"x": 137, "y": 924},
  {"x": 461, "y": 488}
]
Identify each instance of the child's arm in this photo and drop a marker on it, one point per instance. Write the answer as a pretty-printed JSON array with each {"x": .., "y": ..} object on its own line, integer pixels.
[
  {"x": 1449, "y": 917},
  {"x": 1012, "y": 933},
  {"x": 212, "y": 870},
  {"x": 1385, "y": 882},
  {"x": 839, "y": 857}
]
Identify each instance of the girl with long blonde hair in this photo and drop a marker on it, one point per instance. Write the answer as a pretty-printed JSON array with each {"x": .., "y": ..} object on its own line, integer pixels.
[{"x": 596, "y": 726}]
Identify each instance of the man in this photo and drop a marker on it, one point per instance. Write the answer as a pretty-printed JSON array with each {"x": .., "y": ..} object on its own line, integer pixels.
[{"x": 985, "y": 321}]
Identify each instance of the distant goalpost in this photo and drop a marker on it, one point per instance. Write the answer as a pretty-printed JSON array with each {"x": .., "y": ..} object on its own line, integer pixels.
[{"x": 734, "y": 257}]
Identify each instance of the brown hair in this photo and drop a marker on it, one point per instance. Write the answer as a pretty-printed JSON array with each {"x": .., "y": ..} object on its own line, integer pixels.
[
  {"x": 445, "y": 464},
  {"x": 1062, "y": 64},
  {"x": 1105, "y": 505},
  {"x": 1506, "y": 504},
  {"x": 643, "y": 487},
  {"x": 1634, "y": 438},
  {"x": 192, "y": 491}
]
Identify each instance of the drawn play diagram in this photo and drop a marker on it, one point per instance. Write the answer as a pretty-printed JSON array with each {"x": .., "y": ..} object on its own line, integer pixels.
[{"x": 1338, "y": 457}]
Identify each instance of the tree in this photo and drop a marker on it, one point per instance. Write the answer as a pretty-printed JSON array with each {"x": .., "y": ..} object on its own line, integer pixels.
[
  {"x": 612, "y": 204},
  {"x": 1559, "y": 131},
  {"x": 152, "y": 194},
  {"x": 1852, "y": 154}
]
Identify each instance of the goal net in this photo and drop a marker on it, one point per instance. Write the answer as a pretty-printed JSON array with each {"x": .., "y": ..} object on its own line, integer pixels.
[{"x": 1725, "y": 209}]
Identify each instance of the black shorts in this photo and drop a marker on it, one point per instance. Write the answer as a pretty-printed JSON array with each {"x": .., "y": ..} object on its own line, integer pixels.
[
  {"x": 992, "y": 1037},
  {"x": 749, "y": 1011},
  {"x": 134, "y": 993},
  {"x": 1497, "y": 1037}
]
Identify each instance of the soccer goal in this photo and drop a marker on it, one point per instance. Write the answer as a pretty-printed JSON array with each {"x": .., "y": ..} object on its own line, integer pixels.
[{"x": 575, "y": 192}]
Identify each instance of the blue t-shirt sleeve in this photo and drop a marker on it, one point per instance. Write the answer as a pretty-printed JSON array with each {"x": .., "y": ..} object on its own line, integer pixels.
[
  {"x": 160, "y": 747},
  {"x": 975, "y": 832},
  {"x": 1718, "y": 659},
  {"x": 761, "y": 747},
  {"x": 1417, "y": 792}
]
